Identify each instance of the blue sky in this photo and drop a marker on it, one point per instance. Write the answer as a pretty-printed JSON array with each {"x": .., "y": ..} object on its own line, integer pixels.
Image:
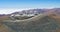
[{"x": 26, "y": 4}]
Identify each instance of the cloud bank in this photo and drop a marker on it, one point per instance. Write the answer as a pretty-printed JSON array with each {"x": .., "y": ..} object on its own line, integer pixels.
[{"x": 10, "y": 10}]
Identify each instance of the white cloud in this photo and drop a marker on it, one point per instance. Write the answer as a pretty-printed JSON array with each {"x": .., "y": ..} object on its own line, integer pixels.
[
  {"x": 7, "y": 11},
  {"x": 10, "y": 10}
]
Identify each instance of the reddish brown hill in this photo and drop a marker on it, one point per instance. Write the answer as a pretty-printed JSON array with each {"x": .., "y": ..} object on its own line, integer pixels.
[{"x": 4, "y": 18}]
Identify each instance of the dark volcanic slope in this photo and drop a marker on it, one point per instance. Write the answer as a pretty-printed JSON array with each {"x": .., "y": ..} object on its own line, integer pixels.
[{"x": 35, "y": 24}]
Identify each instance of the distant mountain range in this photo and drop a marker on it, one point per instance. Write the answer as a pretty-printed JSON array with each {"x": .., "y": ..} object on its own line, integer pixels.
[
  {"x": 36, "y": 11},
  {"x": 31, "y": 11}
]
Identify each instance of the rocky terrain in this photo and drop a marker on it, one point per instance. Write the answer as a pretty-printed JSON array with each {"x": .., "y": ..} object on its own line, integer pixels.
[
  {"x": 39, "y": 23},
  {"x": 48, "y": 21}
]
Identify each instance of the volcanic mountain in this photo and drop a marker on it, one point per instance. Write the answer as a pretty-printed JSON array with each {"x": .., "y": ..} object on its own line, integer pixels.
[
  {"x": 48, "y": 21},
  {"x": 39, "y": 23}
]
